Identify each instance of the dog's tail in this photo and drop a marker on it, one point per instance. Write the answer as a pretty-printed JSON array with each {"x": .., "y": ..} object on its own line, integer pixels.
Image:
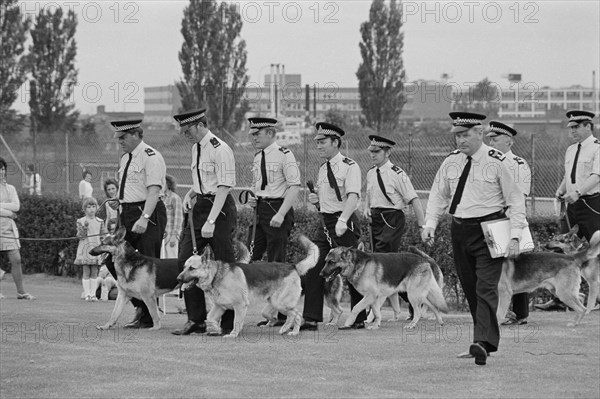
[
  {"x": 436, "y": 297},
  {"x": 435, "y": 268},
  {"x": 594, "y": 250},
  {"x": 312, "y": 256},
  {"x": 242, "y": 255}
]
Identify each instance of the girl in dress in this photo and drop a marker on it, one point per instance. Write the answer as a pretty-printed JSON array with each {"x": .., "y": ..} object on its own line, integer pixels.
[{"x": 90, "y": 230}]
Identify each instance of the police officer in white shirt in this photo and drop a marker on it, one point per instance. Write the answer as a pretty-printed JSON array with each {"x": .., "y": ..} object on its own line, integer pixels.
[
  {"x": 214, "y": 213},
  {"x": 142, "y": 173},
  {"x": 389, "y": 192},
  {"x": 276, "y": 184},
  {"x": 338, "y": 196},
  {"x": 477, "y": 185},
  {"x": 580, "y": 187},
  {"x": 501, "y": 137}
]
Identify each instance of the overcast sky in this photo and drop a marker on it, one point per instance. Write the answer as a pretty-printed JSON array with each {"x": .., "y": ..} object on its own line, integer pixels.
[{"x": 126, "y": 46}]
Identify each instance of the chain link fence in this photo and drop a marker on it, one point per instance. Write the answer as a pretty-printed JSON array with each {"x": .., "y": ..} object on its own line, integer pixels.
[{"x": 419, "y": 151}]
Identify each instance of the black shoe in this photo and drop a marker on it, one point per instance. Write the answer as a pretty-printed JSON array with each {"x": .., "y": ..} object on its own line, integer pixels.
[
  {"x": 479, "y": 353},
  {"x": 138, "y": 324},
  {"x": 511, "y": 321},
  {"x": 359, "y": 325},
  {"x": 191, "y": 327},
  {"x": 309, "y": 326},
  {"x": 219, "y": 334}
]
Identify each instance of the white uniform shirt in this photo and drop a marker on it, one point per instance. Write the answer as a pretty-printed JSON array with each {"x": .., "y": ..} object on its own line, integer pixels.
[
  {"x": 347, "y": 175},
  {"x": 397, "y": 186},
  {"x": 489, "y": 188},
  {"x": 147, "y": 169},
  {"x": 588, "y": 163},
  {"x": 217, "y": 165},
  {"x": 520, "y": 170},
  {"x": 282, "y": 172},
  {"x": 85, "y": 189}
]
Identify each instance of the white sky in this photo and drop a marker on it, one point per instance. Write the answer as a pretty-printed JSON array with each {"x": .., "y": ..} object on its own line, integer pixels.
[{"x": 551, "y": 43}]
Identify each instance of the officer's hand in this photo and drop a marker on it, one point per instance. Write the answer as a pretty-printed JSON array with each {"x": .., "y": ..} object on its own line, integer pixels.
[
  {"x": 313, "y": 198},
  {"x": 571, "y": 197},
  {"x": 187, "y": 203},
  {"x": 252, "y": 201},
  {"x": 512, "y": 251},
  {"x": 367, "y": 213},
  {"x": 427, "y": 235},
  {"x": 114, "y": 205},
  {"x": 140, "y": 226},
  {"x": 277, "y": 220},
  {"x": 208, "y": 230},
  {"x": 340, "y": 228},
  {"x": 559, "y": 194}
]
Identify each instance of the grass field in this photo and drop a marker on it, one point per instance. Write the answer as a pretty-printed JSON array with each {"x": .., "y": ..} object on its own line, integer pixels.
[{"x": 51, "y": 349}]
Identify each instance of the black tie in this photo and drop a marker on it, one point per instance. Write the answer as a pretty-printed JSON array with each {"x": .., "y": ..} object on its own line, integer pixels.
[
  {"x": 574, "y": 168},
  {"x": 332, "y": 182},
  {"x": 124, "y": 177},
  {"x": 461, "y": 186},
  {"x": 263, "y": 171},
  {"x": 198, "y": 167},
  {"x": 382, "y": 187}
]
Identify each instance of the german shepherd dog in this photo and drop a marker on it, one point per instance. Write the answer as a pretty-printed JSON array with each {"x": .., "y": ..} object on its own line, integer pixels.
[
  {"x": 379, "y": 275},
  {"x": 138, "y": 276},
  {"x": 569, "y": 243},
  {"x": 559, "y": 273},
  {"x": 230, "y": 285}
]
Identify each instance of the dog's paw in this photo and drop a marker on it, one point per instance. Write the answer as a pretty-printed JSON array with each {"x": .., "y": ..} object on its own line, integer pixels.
[
  {"x": 104, "y": 327},
  {"x": 155, "y": 327},
  {"x": 572, "y": 324},
  {"x": 410, "y": 326},
  {"x": 394, "y": 319},
  {"x": 373, "y": 327},
  {"x": 230, "y": 336},
  {"x": 293, "y": 334}
]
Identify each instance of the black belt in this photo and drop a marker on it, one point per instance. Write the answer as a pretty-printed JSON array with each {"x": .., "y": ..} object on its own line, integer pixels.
[
  {"x": 589, "y": 196},
  {"x": 205, "y": 196},
  {"x": 128, "y": 205},
  {"x": 386, "y": 209},
  {"x": 265, "y": 199},
  {"x": 491, "y": 216}
]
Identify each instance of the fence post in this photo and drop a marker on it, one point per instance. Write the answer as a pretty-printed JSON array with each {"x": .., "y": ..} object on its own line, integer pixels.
[
  {"x": 410, "y": 133},
  {"x": 67, "y": 159},
  {"x": 532, "y": 168}
]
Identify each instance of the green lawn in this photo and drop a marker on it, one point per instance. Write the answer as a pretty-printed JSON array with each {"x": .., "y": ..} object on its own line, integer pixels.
[{"x": 50, "y": 348}]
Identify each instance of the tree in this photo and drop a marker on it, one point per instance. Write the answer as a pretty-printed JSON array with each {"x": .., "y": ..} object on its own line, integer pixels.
[
  {"x": 213, "y": 60},
  {"x": 483, "y": 98},
  {"x": 381, "y": 74},
  {"x": 336, "y": 117},
  {"x": 51, "y": 61},
  {"x": 13, "y": 33}
]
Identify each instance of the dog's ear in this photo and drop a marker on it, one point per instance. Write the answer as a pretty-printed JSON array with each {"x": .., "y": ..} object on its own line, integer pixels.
[
  {"x": 120, "y": 234},
  {"x": 207, "y": 254},
  {"x": 574, "y": 230}
]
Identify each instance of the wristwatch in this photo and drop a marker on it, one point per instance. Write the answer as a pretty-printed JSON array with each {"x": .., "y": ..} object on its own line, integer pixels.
[
  {"x": 146, "y": 216},
  {"x": 210, "y": 221}
]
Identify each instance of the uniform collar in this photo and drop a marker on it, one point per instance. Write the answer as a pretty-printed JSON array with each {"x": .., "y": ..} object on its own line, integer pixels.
[
  {"x": 587, "y": 141},
  {"x": 206, "y": 139},
  {"x": 271, "y": 147},
  {"x": 509, "y": 154},
  {"x": 482, "y": 151},
  {"x": 336, "y": 159},
  {"x": 386, "y": 166},
  {"x": 136, "y": 151}
]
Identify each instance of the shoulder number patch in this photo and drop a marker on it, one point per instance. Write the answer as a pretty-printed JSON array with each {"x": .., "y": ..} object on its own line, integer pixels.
[
  {"x": 348, "y": 161},
  {"x": 496, "y": 154},
  {"x": 284, "y": 150},
  {"x": 519, "y": 160},
  {"x": 396, "y": 169},
  {"x": 597, "y": 141},
  {"x": 455, "y": 152},
  {"x": 215, "y": 142},
  {"x": 150, "y": 152}
]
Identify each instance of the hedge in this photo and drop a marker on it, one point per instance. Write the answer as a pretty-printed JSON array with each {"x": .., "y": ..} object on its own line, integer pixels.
[{"x": 54, "y": 216}]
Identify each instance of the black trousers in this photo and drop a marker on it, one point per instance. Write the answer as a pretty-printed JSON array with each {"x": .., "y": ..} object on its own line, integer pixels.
[
  {"x": 387, "y": 229},
  {"x": 313, "y": 284},
  {"x": 479, "y": 274},
  {"x": 222, "y": 246},
  {"x": 270, "y": 239},
  {"x": 147, "y": 243},
  {"x": 585, "y": 212}
]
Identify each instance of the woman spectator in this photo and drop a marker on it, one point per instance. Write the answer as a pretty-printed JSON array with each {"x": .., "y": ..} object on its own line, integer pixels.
[
  {"x": 9, "y": 244},
  {"x": 108, "y": 211},
  {"x": 85, "y": 185}
]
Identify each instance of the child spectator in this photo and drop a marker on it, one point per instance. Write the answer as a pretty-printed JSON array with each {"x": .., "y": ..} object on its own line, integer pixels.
[
  {"x": 108, "y": 211},
  {"x": 170, "y": 244},
  {"x": 89, "y": 229}
]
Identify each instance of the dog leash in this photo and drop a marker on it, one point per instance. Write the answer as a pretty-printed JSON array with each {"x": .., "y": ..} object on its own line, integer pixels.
[
  {"x": 192, "y": 232},
  {"x": 243, "y": 198},
  {"x": 332, "y": 243}
]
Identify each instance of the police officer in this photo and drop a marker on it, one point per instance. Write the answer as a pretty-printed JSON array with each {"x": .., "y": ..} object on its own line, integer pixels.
[
  {"x": 276, "y": 183},
  {"x": 338, "y": 196},
  {"x": 142, "y": 183},
  {"x": 389, "y": 192},
  {"x": 214, "y": 213},
  {"x": 580, "y": 187},
  {"x": 476, "y": 184},
  {"x": 502, "y": 138}
]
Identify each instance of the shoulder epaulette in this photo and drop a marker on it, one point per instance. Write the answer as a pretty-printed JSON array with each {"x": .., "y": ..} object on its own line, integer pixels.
[
  {"x": 519, "y": 160},
  {"x": 149, "y": 151},
  {"x": 496, "y": 154},
  {"x": 284, "y": 150},
  {"x": 348, "y": 161},
  {"x": 215, "y": 142},
  {"x": 396, "y": 169},
  {"x": 455, "y": 152},
  {"x": 597, "y": 141}
]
